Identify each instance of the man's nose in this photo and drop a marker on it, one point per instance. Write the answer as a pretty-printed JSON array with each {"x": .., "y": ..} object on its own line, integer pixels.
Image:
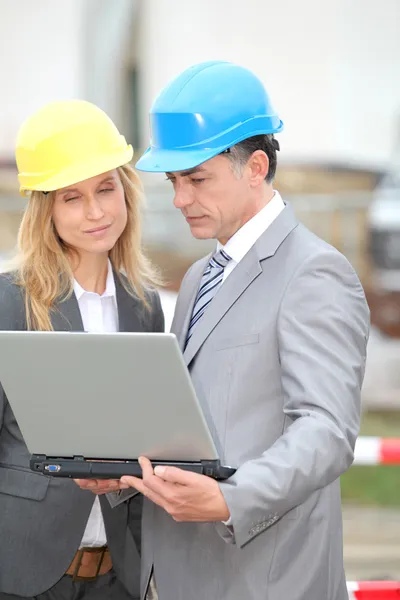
[{"x": 182, "y": 198}]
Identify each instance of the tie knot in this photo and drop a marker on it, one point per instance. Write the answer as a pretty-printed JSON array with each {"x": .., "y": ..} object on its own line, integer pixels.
[{"x": 220, "y": 259}]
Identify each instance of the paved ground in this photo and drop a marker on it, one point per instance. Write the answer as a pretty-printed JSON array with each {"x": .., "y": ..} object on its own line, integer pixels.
[{"x": 371, "y": 543}]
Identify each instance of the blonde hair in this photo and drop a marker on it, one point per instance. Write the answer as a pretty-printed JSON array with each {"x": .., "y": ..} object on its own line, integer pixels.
[{"x": 43, "y": 269}]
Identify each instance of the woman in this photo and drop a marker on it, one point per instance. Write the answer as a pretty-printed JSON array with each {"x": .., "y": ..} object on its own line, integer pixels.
[{"x": 80, "y": 267}]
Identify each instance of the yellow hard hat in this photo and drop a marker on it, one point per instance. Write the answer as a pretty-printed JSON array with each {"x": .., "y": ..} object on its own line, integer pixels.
[{"x": 66, "y": 142}]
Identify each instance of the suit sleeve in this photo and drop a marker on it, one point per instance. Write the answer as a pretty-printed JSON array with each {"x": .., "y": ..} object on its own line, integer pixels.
[
  {"x": 323, "y": 328},
  {"x": 11, "y": 318}
]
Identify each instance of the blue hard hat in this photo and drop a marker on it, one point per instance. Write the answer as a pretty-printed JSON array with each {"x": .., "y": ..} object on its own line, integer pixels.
[{"x": 202, "y": 112}]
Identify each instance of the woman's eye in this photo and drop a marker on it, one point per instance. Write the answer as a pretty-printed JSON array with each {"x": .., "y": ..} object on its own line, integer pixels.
[
  {"x": 70, "y": 199},
  {"x": 105, "y": 190}
]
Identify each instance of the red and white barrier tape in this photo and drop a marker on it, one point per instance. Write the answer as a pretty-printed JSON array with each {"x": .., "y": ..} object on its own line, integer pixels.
[
  {"x": 377, "y": 451},
  {"x": 373, "y": 590}
]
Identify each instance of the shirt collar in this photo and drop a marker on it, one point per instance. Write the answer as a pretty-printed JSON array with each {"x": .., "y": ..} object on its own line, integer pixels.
[
  {"x": 110, "y": 290},
  {"x": 240, "y": 243}
]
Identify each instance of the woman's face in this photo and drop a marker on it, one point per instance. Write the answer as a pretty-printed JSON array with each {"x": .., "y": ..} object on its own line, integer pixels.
[{"x": 91, "y": 215}]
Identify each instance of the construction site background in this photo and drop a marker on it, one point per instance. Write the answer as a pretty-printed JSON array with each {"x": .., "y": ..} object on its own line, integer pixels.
[{"x": 333, "y": 74}]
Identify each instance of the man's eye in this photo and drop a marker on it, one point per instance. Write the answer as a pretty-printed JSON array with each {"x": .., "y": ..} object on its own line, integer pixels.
[
  {"x": 170, "y": 179},
  {"x": 199, "y": 180}
]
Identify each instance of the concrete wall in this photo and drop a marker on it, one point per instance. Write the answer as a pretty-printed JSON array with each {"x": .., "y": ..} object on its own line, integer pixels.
[
  {"x": 109, "y": 50},
  {"x": 331, "y": 67},
  {"x": 41, "y": 50},
  {"x": 53, "y": 50},
  {"x": 367, "y": 70}
]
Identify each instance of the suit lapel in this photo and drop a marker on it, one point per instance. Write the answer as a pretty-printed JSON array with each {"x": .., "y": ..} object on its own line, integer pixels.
[
  {"x": 187, "y": 297},
  {"x": 129, "y": 308},
  {"x": 66, "y": 315},
  {"x": 249, "y": 268},
  {"x": 226, "y": 296}
]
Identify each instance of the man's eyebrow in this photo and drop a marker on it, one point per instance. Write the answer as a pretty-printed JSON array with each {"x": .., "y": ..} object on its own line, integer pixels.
[{"x": 188, "y": 172}]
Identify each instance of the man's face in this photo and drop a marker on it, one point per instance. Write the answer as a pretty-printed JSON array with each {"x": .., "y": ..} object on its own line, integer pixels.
[{"x": 214, "y": 200}]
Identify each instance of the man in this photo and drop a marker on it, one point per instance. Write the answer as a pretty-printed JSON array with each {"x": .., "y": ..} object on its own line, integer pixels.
[{"x": 274, "y": 329}]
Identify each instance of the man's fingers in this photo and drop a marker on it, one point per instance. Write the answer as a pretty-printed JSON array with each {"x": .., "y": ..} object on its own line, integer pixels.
[
  {"x": 147, "y": 467},
  {"x": 141, "y": 487},
  {"x": 130, "y": 481},
  {"x": 163, "y": 489},
  {"x": 175, "y": 475}
]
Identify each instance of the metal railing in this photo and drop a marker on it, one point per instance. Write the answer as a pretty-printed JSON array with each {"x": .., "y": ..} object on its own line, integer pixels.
[{"x": 341, "y": 219}]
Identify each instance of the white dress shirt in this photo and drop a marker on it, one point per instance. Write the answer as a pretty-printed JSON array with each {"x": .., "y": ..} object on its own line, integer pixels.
[
  {"x": 240, "y": 243},
  {"x": 99, "y": 314}
]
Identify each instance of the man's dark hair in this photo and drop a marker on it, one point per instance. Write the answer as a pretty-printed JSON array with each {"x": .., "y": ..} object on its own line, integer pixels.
[{"x": 240, "y": 153}]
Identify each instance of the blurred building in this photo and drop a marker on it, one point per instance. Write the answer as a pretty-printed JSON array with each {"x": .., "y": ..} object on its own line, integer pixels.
[{"x": 331, "y": 68}]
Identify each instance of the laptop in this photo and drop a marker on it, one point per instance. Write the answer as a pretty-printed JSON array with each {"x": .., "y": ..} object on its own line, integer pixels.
[{"x": 89, "y": 404}]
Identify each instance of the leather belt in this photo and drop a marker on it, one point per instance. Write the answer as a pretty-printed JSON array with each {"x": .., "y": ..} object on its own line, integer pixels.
[{"x": 89, "y": 563}]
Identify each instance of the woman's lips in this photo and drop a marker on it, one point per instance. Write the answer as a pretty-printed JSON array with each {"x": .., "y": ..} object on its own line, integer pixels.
[{"x": 97, "y": 231}]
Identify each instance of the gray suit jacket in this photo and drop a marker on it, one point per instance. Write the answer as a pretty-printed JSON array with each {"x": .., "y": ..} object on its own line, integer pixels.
[
  {"x": 277, "y": 361},
  {"x": 42, "y": 520}
]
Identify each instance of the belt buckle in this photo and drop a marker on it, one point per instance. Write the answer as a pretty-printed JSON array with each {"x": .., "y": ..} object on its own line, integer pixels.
[{"x": 81, "y": 551}]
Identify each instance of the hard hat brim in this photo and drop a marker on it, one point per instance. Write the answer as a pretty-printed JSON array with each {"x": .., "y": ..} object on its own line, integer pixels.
[
  {"x": 161, "y": 160},
  {"x": 78, "y": 173},
  {"x": 168, "y": 161}
]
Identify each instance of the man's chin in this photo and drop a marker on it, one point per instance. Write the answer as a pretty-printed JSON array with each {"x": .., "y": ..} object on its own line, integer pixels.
[{"x": 200, "y": 233}]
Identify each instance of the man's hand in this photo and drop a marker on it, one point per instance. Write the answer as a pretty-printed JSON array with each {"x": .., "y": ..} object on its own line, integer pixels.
[
  {"x": 185, "y": 495},
  {"x": 100, "y": 486}
]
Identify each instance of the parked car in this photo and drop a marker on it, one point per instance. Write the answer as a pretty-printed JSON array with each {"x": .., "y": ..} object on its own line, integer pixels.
[{"x": 384, "y": 251}]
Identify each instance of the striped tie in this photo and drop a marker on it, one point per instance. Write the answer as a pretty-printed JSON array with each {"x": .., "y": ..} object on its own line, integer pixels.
[{"x": 209, "y": 284}]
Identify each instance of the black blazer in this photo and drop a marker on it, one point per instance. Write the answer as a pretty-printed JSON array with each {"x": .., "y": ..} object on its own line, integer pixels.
[{"x": 42, "y": 520}]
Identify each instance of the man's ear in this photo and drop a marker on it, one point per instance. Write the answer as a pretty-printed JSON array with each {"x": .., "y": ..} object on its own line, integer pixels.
[{"x": 258, "y": 165}]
